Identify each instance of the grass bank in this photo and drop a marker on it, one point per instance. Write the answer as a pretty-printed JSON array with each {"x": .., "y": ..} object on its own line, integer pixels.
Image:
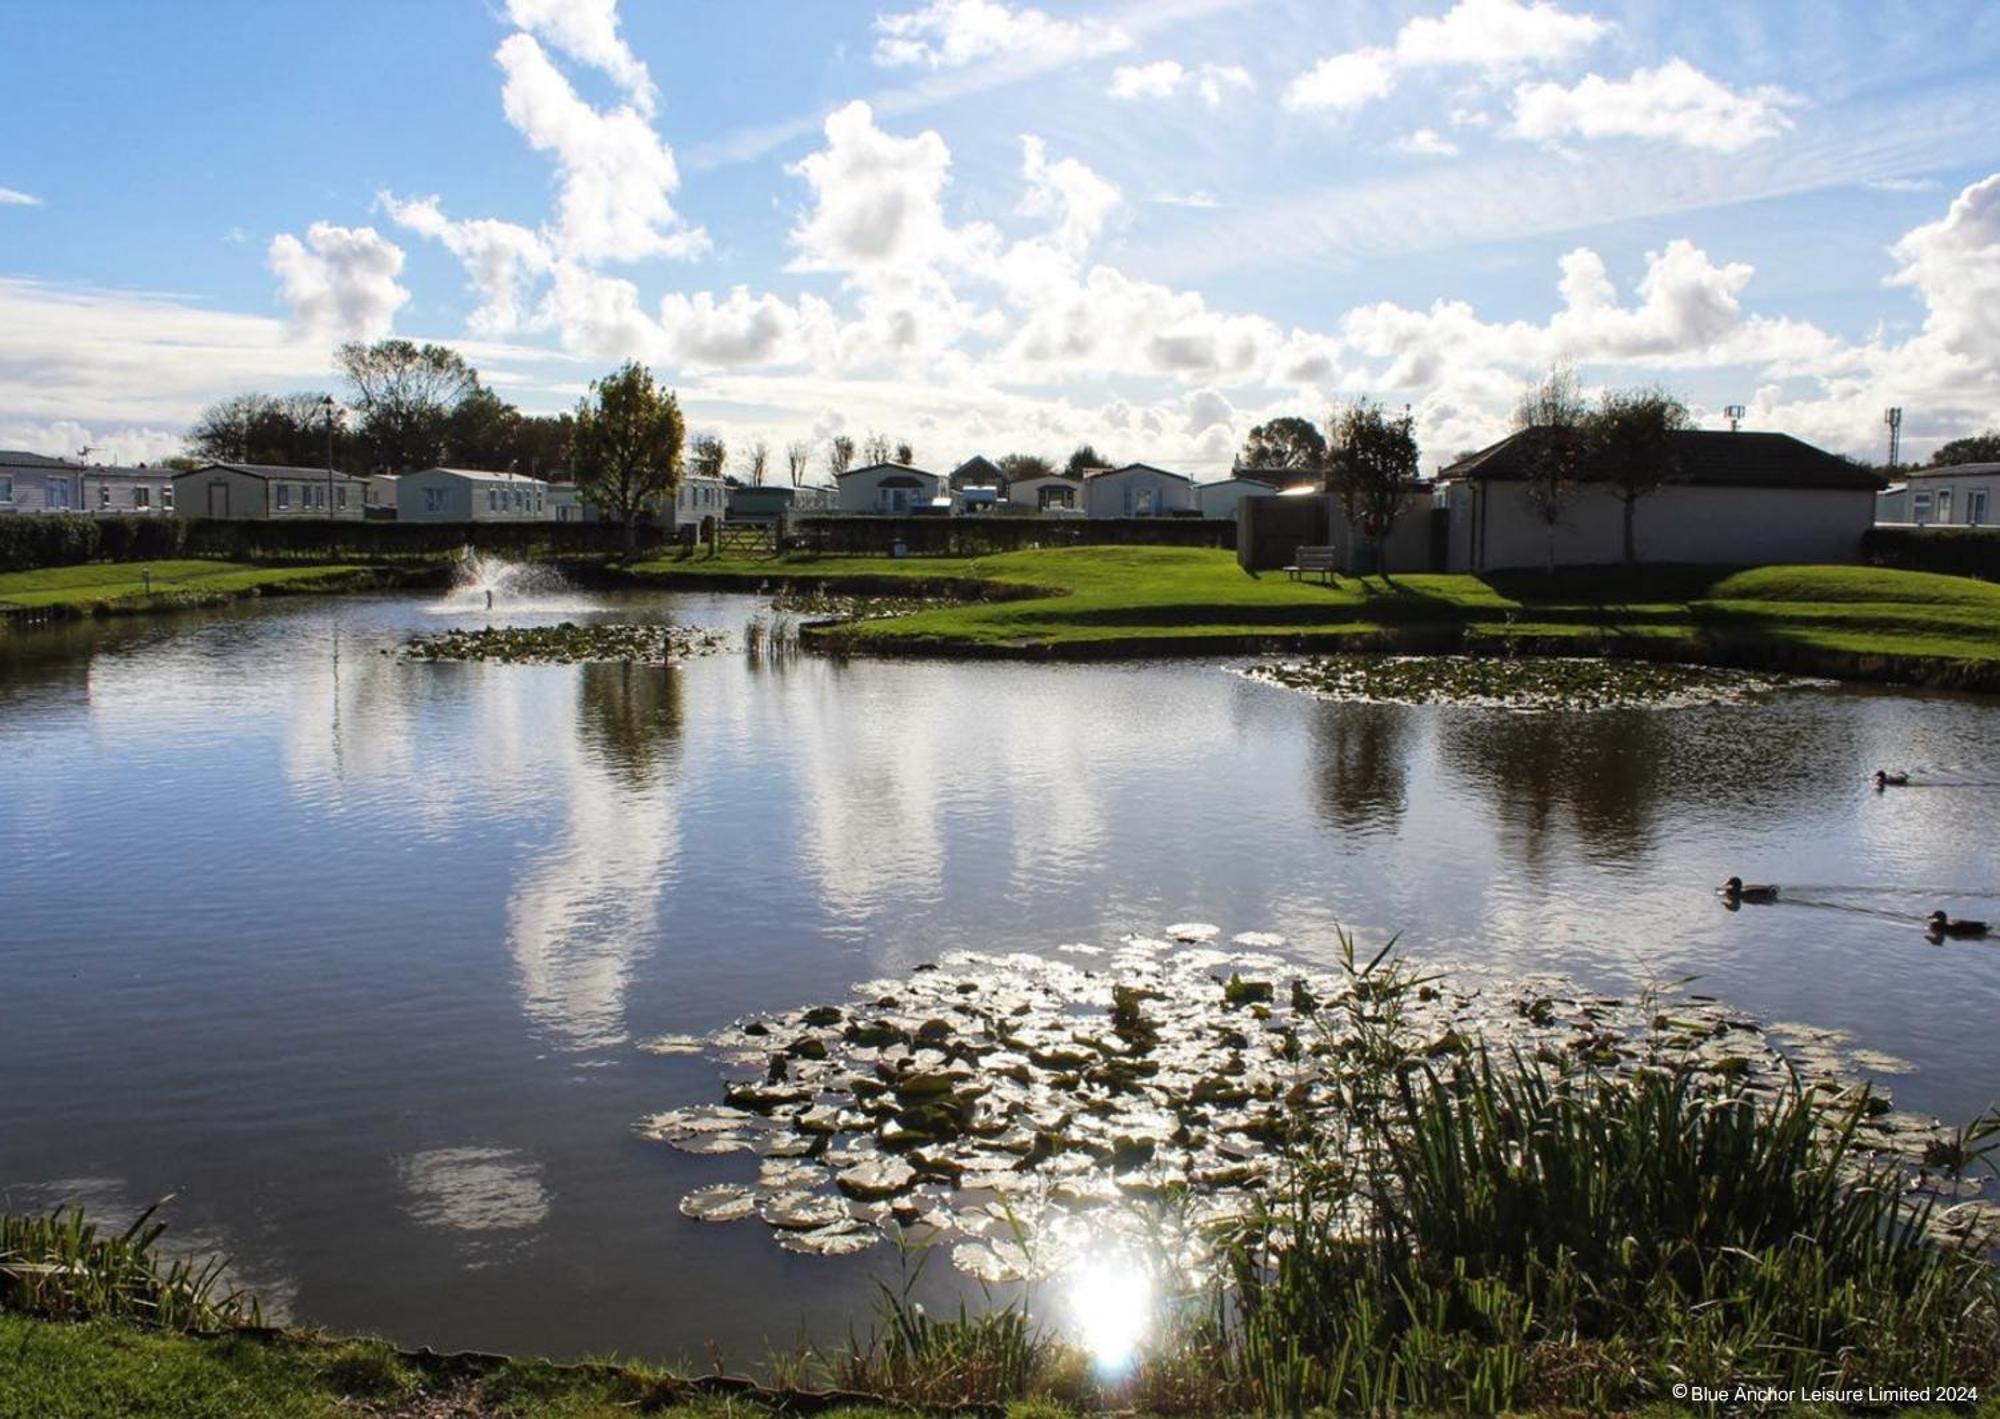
[
  {"x": 125, "y": 588},
  {"x": 1101, "y": 602}
]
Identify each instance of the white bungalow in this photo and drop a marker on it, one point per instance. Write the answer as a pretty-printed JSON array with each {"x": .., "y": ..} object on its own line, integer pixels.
[
  {"x": 700, "y": 502},
  {"x": 1957, "y": 495},
  {"x": 1137, "y": 490},
  {"x": 1731, "y": 499},
  {"x": 1047, "y": 492},
  {"x": 262, "y": 492},
  {"x": 891, "y": 488},
  {"x": 470, "y": 495},
  {"x": 32, "y": 482}
]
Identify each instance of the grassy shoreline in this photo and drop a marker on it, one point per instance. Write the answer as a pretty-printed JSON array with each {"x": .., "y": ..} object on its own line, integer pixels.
[{"x": 124, "y": 588}]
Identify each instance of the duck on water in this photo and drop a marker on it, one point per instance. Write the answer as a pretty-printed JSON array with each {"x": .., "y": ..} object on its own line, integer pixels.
[
  {"x": 1942, "y": 925},
  {"x": 1737, "y": 890}
]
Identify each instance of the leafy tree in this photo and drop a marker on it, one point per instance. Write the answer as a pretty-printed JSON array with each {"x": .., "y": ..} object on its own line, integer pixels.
[
  {"x": 288, "y": 430},
  {"x": 1083, "y": 460},
  {"x": 1978, "y": 448},
  {"x": 758, "y": 461},
  {"x": 406, "y": 395},
  {"x": 1629, "y": 442},
  {"x": 483, "y": 432},
  {"x": 627, "y": 444},
  {"x": 905, "y": 455},
  {"x": 798, "y": 454},
  {"x": 839, "y": 454},
  {"x": 1287, "y": 442},
  {"x": 1026, "y": 465},
  {"x": 709, "y": 456},
  {"x": 1371, "y": 467},
  {"x": 541, "y": 444},
  {"x": 1552, "y": 414}
]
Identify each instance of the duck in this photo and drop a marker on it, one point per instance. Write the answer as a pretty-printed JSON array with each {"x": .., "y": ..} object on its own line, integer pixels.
[
  {"x": 1942, "y": 925},
  {"x": 1737, "y": 890},
  {"x": 1885, "y": 779}
]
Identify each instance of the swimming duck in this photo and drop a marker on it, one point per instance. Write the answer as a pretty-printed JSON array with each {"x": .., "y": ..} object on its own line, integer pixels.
[
  {"x": 1943, "y": 925},
  {"x": 1885, "y": 779},
  {"x": 1737, "y": 890}
]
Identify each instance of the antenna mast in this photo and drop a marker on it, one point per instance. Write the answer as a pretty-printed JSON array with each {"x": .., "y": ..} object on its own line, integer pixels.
[
  {"x": 1894, "y": 419},
  {"x": 1734, "y": 413}
]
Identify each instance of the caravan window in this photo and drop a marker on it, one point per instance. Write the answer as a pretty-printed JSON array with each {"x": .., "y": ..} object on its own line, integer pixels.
[
  {"x": 284, "y": 496},
  {"x": 6, "y": 490},
  {"x": 1975, "y": 507},
  {"x": 1944, "y": 505}
]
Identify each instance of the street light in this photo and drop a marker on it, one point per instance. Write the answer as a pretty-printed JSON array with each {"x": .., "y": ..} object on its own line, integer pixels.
[{"x": 330, "y": 407}]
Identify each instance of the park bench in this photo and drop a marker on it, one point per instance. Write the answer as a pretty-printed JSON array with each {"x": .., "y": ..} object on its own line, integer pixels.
[{"x": 1313, "y": 559}]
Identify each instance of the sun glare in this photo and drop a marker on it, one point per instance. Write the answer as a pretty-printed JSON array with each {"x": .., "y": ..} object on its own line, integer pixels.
[{"x": 1112, "y": 1301}]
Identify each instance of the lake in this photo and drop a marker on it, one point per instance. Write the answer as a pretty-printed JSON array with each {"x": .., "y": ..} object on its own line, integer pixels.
[{"x": 353, "y": 955}]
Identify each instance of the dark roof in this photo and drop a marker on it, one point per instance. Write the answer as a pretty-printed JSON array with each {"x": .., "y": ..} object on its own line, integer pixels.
[
  {"x": 1137, "y": 468},
  {"x": 1707, "y": 457},
  {"x": 17, "y": 458},
  {"x": 268, "y": 471},
  {"x": 1276, "y": 477},
  {"x": 901, "y": 480},
  {"x": 978, "y": 469},
  {"x": 893, "y": 467}
]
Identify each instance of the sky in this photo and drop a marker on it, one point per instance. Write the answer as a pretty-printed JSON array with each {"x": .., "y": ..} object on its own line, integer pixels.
[{"x": 985, "y": 227}]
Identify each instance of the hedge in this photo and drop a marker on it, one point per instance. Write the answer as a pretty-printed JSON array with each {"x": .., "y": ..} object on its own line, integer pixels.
[
  {"x": 976, "y": 536},
  {"x": 65, "y": 539},
  {"x": 1957, "y": 551}
]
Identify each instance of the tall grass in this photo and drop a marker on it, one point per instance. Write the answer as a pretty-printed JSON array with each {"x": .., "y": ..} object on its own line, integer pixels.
[{"x": 61, "y": 1267}]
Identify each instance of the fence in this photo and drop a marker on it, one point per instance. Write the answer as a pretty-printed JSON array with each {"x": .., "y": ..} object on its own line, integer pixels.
[
  {"x": 1270, "y": 531},
  {"x": 978, "y": 536}
]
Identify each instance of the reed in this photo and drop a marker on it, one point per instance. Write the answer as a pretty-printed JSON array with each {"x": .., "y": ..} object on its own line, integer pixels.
[{"x": 62, "y": 1267}]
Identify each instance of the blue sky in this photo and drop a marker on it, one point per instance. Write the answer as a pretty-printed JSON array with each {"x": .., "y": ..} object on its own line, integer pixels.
[{"x": 988, "y": 226}]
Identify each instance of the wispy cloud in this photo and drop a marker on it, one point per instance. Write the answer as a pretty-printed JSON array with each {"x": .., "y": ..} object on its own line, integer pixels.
[{"x": 9, "y": 197}]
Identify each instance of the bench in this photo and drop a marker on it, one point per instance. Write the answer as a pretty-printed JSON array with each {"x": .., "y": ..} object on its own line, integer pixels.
[{"x": 1313, "y": 559}]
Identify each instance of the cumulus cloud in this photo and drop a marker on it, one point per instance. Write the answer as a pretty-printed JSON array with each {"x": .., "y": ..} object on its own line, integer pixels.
[
  {"x": 878, "y": 200},
  {"x": 1167, "y": 77},
  {"x": 1427, "y": 142},
  {"x": 1675, "y": 103},
  {"x": 617, "y": 174},
  {"x": 950, "y": 34},
  {"x": 502, "y": 260},
  {"x": 587, "y": 31},
  {"x": 340, "y": 282},
  {"x": 9, "y": 197},
  {"x": 1953, "y": 265},
  {"x": 1494, "y": 36}
]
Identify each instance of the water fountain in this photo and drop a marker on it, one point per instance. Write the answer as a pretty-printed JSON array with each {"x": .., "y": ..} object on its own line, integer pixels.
[{"x": 484, "y": 582}]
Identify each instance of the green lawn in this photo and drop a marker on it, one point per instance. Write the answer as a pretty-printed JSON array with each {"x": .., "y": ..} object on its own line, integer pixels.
[
  {"x": 101, "y": 586},
  {"x": 1096, "y": 597}
]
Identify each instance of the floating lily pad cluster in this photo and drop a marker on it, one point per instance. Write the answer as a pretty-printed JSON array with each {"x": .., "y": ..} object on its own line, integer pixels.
[
  {"x": 1521, "y": 683},
  {"x": 1019, "y": 1107},
  {"x": 822, "y": 604},
  {"x": 567, "y": 643}
]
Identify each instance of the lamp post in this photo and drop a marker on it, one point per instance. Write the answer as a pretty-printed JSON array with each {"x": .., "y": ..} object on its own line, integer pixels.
[{"x": 330, "y": 407}]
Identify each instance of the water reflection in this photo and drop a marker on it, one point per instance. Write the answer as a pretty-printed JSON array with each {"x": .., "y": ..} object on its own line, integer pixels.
[
  {"x": 474, "y": 1193},
  {"x": 1598, "y": 775},
  {"x": 1360, "y": 764},
  {"x": 629, "y": 716}
]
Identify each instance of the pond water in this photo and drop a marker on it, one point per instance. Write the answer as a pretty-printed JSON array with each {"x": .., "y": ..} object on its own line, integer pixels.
[{"x": 353, "y": 954}]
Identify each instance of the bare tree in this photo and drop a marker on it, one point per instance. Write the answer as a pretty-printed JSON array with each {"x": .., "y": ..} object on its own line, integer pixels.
[
  {"x": 1371, "y": 467},
  {"x": 875, "y": 450},
  {"x": 1551, "y": 416},
  {"x": 759, "y": 461},
  {"x": 798, "y": 454},
  {"x": 839, "y": 454},
  {"x": 406, "y": 395}
]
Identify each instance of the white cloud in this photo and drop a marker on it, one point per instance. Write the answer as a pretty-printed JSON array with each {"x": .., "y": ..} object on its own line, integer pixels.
[
  {"x": 1953, "y": 265},
  {"x": 1427, "y": 142},
  {"x": 1902, "y": 184},
  {"x": 1196, "y": 198},
  {"x": 949, "y": 34},
  {"x": 1494, "y": 36},
  {"x": 62, "y": 438},
  {"x": 1675, "y": 103},
  {"x": 742, "y": 329},
  {"x": 1341, "y": 83},
  {"x": 1166, "y": 77},
  {"x": 587, "y": 31},
  {"x": 501, "y": 259},
  {"x": 11, "y": 198},
  {"x": 340, "y": 282},
  {"x": 878, "y": 200}
]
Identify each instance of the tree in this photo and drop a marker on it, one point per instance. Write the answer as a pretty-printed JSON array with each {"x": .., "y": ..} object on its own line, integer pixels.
[
  {"x": 1552, "y": 415},
  {"x": 627, "y": 446},
  {"x": 1026, "y": 465},
  {"x": 406, "y": 394},
  {"x": 839, "y": 454},
  {"x": 1287, "y": 442},
  {"x": 798, "y": 454},
  {"x": 905, "y": 455},
  {"x": 709, "y": 456},
  {"x": 1371, "y": 468},
  {"x": 288, "y": 430},
  {"x": 483, "y": 432},
  {"x": 758, "y": 462},
  {"x": 1083, "y": 460},
  {"x": 1978, "y": 448},
  {"x": 541, "y": 444},
  {"x": 1629, "y": 442},
  {"x": 875, "y": 450}
]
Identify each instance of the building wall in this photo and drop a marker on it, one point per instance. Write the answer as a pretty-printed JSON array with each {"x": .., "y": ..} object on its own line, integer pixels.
[
  {"x": 861, "y": 492},
  {"x": 1968, "y": 498},
  {"x": 1219, "y": 499},
  {"x": 700, "y": 500},
  {"x": 1028, "y": 492},
  {"x": 441, "y": 495},
  {"x": 250, "y": 498},
  {"x": 1126, "y": 494},
  {"x": 1717, "y": 526},
  {"x": 1406, "y": 548},
  {"x": 128, "y": 494},
  {"x": 39, "y": 490}
]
